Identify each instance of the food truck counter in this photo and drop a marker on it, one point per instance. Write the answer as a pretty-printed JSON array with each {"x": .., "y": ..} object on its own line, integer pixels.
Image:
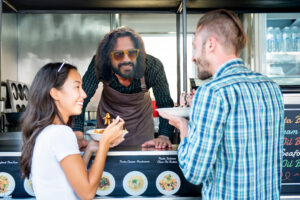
[{"x": 130, "y": 172}]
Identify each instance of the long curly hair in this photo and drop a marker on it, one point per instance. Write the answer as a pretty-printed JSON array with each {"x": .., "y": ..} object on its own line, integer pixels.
[
  {"x": 41, "y": 109},
  {"x": 103, "y": 66}
]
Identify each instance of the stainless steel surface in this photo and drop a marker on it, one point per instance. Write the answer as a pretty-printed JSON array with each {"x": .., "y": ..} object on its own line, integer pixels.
[
  {"x": 178, "y": 56},
  {"x": 9, "y": 59},
  {"x": 0, "y": 41},
  {"x": 184, "y": 47},
  {"x": 10, "y": 143},
  {"x": 17, "y": 94},
  {"x": 47, "y": 38},
  {"x": 2, "y": 106},
  {"x": 292, "y": 197},
  {"x": 291, "y": 98},
  {"x": 3, "y": 96},
  {"x": 145, "y": 23}
]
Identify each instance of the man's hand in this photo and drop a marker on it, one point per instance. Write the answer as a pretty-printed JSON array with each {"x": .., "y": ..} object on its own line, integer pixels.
[
  {"x": 178, "y": 122},
  {"x": 82, "y": 143},
  {"x": 159, "y": 143}
]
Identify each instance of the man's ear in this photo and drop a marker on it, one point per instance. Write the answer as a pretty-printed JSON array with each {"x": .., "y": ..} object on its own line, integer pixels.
[
  {"x": 54, "y": 93},
  {"x": 211, "y": 43}
]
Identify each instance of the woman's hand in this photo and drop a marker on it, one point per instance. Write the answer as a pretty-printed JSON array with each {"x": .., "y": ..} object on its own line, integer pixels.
[{"x": 113, "y": 134}]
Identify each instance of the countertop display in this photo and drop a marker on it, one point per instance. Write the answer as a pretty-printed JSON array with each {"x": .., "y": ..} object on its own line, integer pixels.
[
  {"x": 146, "y": 173},
  {"x": 129, "y": 172}
]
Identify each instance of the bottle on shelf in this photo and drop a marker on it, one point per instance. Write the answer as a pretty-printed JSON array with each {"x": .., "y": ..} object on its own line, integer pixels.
[
  {"x": 286, "y": 39},
  {"x": 278, "y": 40},
  {"x": 294, "y": 32},
  {"x": 298, "y": 39},
  {"x": 270, "y": 39}
]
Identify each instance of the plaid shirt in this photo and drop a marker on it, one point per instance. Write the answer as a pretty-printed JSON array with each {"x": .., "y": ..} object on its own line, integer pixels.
[{"x": 235, "y": 137}]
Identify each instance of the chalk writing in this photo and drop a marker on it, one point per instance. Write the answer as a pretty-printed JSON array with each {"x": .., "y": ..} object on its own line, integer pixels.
[
  {"x": 291, "y": 150},
  {"x": 287, "y": 163},
  {"x": 291, "y": 154},
  {"x": 166, "y": 160},
  {"x": 286, "y": 176},
  {"x": 287, "y": 120},
  {"x": 288, "y": 141},
  {"x": 291, "y": 132},
  {"x": 8, "y": 162},
  {"x": 297, "y": 119}
]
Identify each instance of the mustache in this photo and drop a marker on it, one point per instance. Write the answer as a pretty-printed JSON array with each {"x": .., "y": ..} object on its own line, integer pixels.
[{"x": 125, "y": 63}]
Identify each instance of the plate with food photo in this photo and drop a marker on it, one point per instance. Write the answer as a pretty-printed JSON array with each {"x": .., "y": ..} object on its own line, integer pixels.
[
  {"x": 97, "y": 133},
  {"x": 135, "y": 183},
  {"x": 7, "y": 184},
  {"x": 107, "y": 184},
  {"x": 168, "y": 183},
  {"x": 28, "y": 186}
]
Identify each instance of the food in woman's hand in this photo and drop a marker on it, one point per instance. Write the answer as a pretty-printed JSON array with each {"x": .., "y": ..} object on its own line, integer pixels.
[
  {"x": 99, "y": 131},
  {"x": 4, "y": 184},
  {"x": 107, "y": 119}
]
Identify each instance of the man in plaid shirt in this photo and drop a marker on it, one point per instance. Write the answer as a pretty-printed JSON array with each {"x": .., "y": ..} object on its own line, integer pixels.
[{"x": 233, "y": 141}]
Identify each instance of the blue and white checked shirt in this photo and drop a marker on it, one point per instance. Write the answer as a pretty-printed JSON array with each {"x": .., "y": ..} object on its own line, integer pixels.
[{"x": 235, "y": 137}]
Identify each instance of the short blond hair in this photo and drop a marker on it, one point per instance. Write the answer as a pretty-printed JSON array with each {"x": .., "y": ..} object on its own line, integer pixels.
[{"x": 225, "y": 24}]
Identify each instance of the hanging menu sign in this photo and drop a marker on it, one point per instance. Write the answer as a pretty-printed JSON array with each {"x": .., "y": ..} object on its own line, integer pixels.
[{"x": 291, "y": 150}]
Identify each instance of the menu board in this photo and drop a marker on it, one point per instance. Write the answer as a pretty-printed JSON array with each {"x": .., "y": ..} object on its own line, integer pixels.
[
  {"x": 291, "y": 150},
  {"x": 10, "y": 177},
  {"x": 124, "y": 175},
  {"x": 145, "y": 175}
]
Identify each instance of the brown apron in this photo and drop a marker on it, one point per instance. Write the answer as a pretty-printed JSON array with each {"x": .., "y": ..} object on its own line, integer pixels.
[{"x": 135, "y": 109}]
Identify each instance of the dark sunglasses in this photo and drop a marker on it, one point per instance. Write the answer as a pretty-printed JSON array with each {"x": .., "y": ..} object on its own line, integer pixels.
[{"x": 119, "y": 54}]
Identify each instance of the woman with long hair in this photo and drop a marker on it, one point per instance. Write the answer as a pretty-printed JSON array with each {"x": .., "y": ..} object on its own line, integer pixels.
[{"x": 50, "y": 153}]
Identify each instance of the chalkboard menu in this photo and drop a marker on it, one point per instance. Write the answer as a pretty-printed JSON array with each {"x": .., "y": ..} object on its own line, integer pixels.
[{"x": 291, "y": 150}]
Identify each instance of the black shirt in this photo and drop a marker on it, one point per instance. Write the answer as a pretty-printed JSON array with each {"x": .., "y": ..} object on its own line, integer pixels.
[{"x": 155, "y": 78}]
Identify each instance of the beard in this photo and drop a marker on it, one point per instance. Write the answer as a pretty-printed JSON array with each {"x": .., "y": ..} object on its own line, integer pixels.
[
  {"x": 127, "y": 73},
  {"x": 202, "y": 69}
]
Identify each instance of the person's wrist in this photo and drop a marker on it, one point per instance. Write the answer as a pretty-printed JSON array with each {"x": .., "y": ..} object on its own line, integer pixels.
[
  {"x": 79, "y": 134},
  {"x": 163, "y": 137},
  {"x": 104, "y": 144}
]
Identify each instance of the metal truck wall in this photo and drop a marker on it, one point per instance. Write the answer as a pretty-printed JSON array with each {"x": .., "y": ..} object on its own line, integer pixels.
[{"x": 44, "y": 38}]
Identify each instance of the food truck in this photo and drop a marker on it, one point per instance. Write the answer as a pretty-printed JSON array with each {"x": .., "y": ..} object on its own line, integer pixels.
[{"x": 36, "y": 32}]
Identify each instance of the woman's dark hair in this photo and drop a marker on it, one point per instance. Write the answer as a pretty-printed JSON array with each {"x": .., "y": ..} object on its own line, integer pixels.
[
  {"x": 41, "y": 109},
  {"x": 107, "y": 44}
]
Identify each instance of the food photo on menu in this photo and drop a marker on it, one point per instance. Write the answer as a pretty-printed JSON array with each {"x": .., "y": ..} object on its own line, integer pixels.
[
  {"x": 135, "y": 183},
  {"x": 7, "y": 184},
  {"x": 107, "y": 184},
  {"x": 168, "y": 183},
  {"x": 28, "y": 186}
]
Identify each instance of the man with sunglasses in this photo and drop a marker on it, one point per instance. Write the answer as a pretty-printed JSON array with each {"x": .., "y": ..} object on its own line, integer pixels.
[
  {"x": 233, "y": 141},
  {"x": 127, "y": 73}
]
